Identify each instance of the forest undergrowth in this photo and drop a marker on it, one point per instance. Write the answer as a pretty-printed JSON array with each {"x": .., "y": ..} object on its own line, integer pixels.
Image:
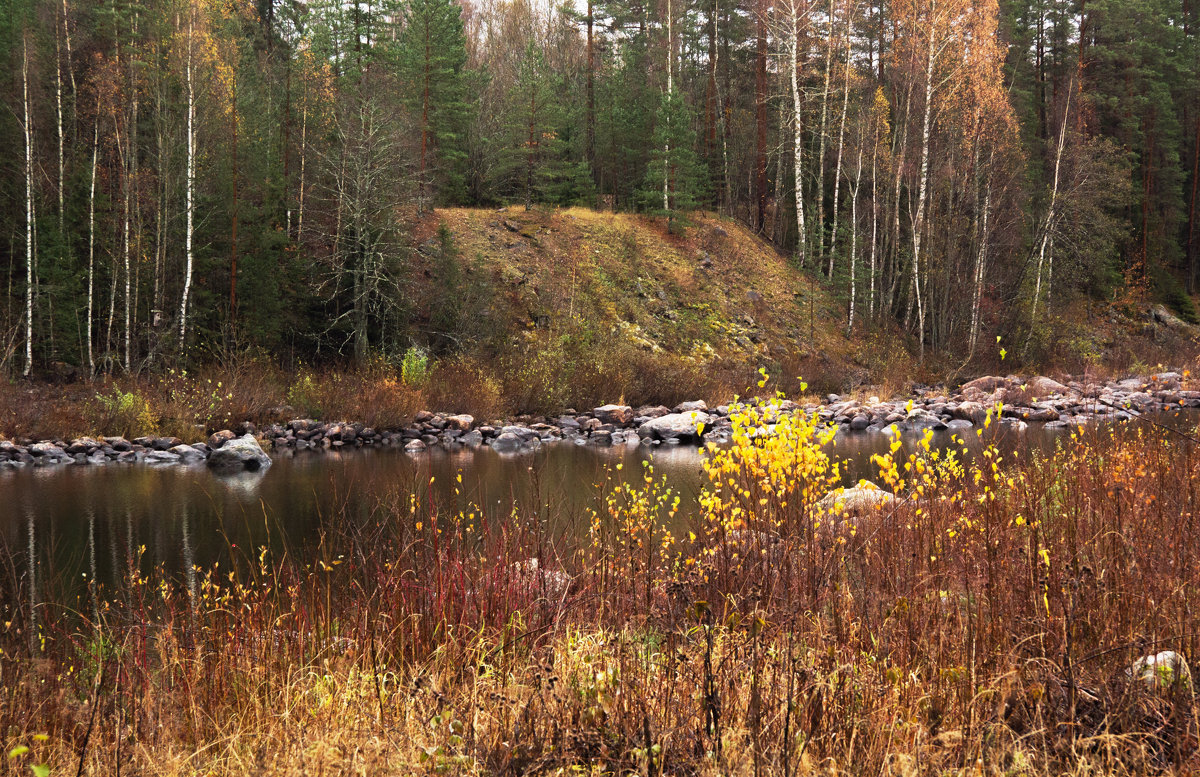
[{"x": 987, "y": 620}]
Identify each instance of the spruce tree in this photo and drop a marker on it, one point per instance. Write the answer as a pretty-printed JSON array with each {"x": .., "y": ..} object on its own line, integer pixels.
[
  {"x": 674, "y": 166},
  {"x": 432, "y": 54}
]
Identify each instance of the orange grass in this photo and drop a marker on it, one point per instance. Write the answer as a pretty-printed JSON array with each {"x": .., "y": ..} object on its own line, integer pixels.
[{"x": 982, "y": 624}]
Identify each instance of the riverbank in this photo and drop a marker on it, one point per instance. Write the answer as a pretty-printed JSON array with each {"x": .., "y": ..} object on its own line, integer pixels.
[
  {"x": 1009, "y": 401},
  {"x": 1023, "y": 619}
]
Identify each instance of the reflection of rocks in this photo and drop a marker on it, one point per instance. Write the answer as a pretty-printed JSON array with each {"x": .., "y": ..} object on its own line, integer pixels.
[{"x": 244, "y": 483}]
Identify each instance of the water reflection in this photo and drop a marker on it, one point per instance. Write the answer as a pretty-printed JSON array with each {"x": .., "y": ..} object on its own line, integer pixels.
[{"x": 93, "y": 525}]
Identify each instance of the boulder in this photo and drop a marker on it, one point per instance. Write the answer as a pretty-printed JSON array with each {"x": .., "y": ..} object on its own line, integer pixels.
[
  {"x": 461, "y": 422},
  {"x": 688, "y": 407},
  {"x": 240, "y": 454},
  {"x": 414, "y": 446},
  {"x": 855, "y": 501},
  {"x": 187, "y": 453},
  {"x": 473, "y": 438},
  {"x": 1041, "y": 387},
  {"x": 217, "y": 439},
  {"x": 161, "y": 457},
  {"x": 676, "y": 426},
  {"x": 47, "y": 450},
  {"x": 507, "y": 441},
  {"x": 974, "y": 412},
  {"x": 617, "y": 415},
  {"x": 987, "y": 384}
]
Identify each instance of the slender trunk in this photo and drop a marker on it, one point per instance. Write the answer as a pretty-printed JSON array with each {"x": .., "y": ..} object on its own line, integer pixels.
[
  {"x": 303, "y": 150},
  {"x": 131, "y": 172},
  {"x": 923, "y": 191},
  {"x": 529, "y": 149},
  {"x": 760, "y": 117},
  {"x": 28, "y": 131},
  {"x": 837, "y": 173},
  {"x": 58, "y": 107},
  {"x": 91, "y": 275},
  {"x": 894, "y": 247},
  {"x": 233, "y": 239},
  {"x": 854, "y": 234},
  {"x": 1051, "y": 215},
  {"x": 819, "y": 243},
  {"x": 666, "y": 189},
  {"x": 591, "y": 92},
  {"x": 874, "y": 222},
  {"x": 797, "y": 132},
  {"x": 1193, "y": 252},
  {"x": 722, "y": 111},
  {"x": 424, "y": 122},
  {"x": 190, "y": 186}
]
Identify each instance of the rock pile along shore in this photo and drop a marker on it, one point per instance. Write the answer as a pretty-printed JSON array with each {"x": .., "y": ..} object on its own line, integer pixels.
[{"x": 1033, "y": 400}]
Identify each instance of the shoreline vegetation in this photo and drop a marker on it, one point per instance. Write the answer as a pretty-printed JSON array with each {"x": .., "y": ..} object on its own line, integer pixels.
[{"x": 983, "y": 617}]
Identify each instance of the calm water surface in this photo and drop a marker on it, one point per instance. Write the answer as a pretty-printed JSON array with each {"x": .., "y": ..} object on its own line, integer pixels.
[{"x": 74, "y": 523}]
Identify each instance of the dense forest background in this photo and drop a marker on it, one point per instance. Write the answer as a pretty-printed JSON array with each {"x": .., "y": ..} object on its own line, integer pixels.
[{"x": 188, "y": 174}]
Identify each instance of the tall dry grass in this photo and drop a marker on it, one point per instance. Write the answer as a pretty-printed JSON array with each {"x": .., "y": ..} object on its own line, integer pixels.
[{"x": 983, "y": 623}]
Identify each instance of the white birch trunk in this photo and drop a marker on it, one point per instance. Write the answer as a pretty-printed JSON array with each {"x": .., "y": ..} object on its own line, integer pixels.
[
  {"x": 670, "y": 90},
  {"x": 91, "y": 279},
  {"x": 854, "y": 236},
  {"x": 1048, "y": 228},
  {"x": 874, "y": 223},
  {"x": 190, "y": 186},
  {"x": 923, "y": 190},
  {"x": 797, "y": 132},
  {"x": 28, "y": 130}
]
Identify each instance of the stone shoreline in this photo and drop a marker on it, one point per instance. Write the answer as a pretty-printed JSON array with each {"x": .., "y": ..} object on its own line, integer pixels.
[{"x": 1034, "y": 400}]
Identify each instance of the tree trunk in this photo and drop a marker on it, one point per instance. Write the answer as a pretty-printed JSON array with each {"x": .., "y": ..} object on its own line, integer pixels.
[
  {"x": 819, "y": 243},
  {"x": 190, "y": 187},
  {"x": 874, "y": 222},
  {"x": 837, "y": 172},
  {"x": 854, "y": 235},
  {"x": 591, "y": 92},
  {"x": 28, "y": 131},
  {"x": 666, "y": 188},
  {"x": 233, "y": 239},
  {"x": 923, "y": 191},
  {"x": 1193, "y": 251},
  {"x": 1051, "y": 215},
  {"x": 760, "y": 117},
  {"x": 91, "y": 275},
  {"x": 797, "y": 131}
]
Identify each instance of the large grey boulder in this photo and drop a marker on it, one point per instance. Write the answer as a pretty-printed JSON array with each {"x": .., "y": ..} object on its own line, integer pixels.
[
  {"x": 676, "y": 426},
  {"x": 241, "y": 454}
]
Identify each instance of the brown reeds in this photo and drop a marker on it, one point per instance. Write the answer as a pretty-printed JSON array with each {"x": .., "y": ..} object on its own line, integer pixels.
[{"x": 985, "y": 622}]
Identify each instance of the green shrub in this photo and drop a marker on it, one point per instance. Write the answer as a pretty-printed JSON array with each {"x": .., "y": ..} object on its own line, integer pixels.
[
  {"x": 414, "y": 367},
  {"x": 123, "y": 413},
  {"x": 305, "y": 395}
]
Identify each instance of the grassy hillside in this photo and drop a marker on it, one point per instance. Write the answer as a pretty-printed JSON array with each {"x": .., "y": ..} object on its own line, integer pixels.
[{"x": 713, "y": 302}]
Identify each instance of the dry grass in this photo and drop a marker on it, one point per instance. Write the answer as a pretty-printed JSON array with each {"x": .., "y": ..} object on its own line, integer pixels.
[{"x": 982, "y": 625}]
